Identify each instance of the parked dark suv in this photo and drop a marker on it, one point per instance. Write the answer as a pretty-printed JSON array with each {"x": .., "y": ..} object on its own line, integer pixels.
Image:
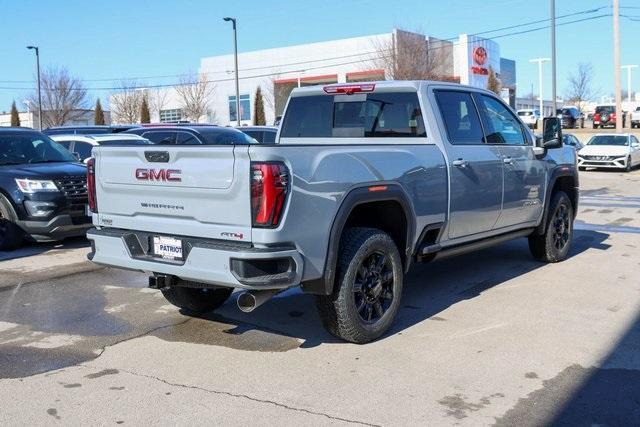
[
  {"x": 192, "y": 135},
  {"x": 571, "y": 118},
  {"x": 43, "y": 189}
]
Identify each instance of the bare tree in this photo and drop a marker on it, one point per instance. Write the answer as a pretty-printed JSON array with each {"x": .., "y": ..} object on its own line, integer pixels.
[
  {"x": 157, "y": 100},
  {"x": 410, "y": 56},
  {"x": 194, "y": 93},
  {"x": 579, "y": 89},
  {"x": 64, "y": 97},
  {"x": 125, "y": 102}
]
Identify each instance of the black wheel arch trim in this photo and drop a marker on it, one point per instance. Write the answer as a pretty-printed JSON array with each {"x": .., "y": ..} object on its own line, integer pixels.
[
  {"x": 559, "y": 172},
  {"x": 355, "y": 197}
]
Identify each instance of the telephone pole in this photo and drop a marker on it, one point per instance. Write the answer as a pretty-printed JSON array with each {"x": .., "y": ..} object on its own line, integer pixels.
[
  {"x": 616, "y": 65},
  {"x": 553, "y": 57}
]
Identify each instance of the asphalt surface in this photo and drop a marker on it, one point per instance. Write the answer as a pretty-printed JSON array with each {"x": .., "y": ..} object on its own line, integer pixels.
[{"x": 486, "y": 338}]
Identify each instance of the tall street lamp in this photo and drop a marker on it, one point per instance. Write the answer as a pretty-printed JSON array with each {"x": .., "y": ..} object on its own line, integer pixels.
[
  {"x": 629, "y": 68},
  {"x": 554, "y": 106},
  {"x": 39, "y": 94},
  {"x": 540, "y": 61},
  {"x": 235, "y": 60}
]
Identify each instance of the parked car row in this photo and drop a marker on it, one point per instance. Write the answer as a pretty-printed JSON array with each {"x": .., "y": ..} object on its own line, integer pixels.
[{"x": 43, "y": 181}]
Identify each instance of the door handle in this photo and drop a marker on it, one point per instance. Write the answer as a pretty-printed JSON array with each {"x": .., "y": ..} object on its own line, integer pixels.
[
  {"x": 507, "y": 161},
  {"x": 460, "y": 163}
]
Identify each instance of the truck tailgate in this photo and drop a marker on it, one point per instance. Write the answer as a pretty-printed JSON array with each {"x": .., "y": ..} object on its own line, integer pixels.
[{"x": 200, "y": 191}]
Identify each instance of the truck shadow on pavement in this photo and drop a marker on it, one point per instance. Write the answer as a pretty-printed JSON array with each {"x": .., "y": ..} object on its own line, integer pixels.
[{"x": 429, "y": 289}]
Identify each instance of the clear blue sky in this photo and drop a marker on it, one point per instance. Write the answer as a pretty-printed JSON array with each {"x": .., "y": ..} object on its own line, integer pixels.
[{"x": 127, "y": 39}]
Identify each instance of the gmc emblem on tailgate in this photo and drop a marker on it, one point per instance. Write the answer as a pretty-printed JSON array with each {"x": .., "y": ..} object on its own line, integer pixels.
[{"x": 171, "y": 175}]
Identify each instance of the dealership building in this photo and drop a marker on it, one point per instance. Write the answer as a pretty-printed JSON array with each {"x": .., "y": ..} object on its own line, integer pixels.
[{"x": 466, "y": 59}]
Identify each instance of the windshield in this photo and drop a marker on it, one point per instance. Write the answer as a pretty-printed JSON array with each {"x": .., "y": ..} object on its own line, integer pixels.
[
  {"x": 619, "y": 140},
  {"x": 31, "y": 147}
]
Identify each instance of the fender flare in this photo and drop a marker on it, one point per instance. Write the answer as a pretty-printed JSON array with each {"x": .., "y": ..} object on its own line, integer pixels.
[
  {"x": 355, "y": 197},
  {"x": 556, "y": 173}
]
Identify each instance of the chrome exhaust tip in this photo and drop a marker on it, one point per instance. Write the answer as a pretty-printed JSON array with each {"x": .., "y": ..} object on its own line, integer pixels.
[{"x": 250, "y": 300}]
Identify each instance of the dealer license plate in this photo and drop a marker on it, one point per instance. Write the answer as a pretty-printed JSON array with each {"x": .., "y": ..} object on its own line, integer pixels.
[{"x": 167, "y": 247}]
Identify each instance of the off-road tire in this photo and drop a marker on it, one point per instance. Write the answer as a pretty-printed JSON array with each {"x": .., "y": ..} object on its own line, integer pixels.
[
  {"x": 338, "y": 311},
  {"x": 11, "y": 236},
  {"x": 554, "y": 245},
  {"x": 196, "y": 299}
]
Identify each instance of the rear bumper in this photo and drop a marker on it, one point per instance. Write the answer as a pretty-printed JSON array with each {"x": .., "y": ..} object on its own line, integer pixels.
[
  {"x": 208, "y": 261},
  {"x": 57, "y": 228}
]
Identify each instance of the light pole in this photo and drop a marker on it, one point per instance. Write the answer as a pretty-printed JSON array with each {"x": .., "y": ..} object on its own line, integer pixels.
[
  {"x": 540, "y": 61},
  {"x": 553, "y": 56},
  {"x": 235, "y": 60},
  {"x": 629, "y": 68},
  {"x": 616, "y": 64},
  {"x": 39, "y": 94}
]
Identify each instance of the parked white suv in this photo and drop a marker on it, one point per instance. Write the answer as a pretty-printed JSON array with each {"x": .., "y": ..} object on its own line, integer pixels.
[{"x": 530, "y": 117}]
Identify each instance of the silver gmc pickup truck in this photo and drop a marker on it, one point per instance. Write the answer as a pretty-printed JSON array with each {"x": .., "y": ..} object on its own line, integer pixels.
[{"x": 363, "y": 181}]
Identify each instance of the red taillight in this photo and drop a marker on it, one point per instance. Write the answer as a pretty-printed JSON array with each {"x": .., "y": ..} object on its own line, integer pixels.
[
  {"x": 91, "y": 185},
  {"x": 596, "y": 116},
  {"x": 349, "y": 89},
  {"x": 269, "y": 187}
]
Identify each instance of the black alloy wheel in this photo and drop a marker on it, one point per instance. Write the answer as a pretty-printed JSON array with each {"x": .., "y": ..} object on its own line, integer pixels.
[
  {"x": 561, "y": 223},
  {"x": 373, "y": 287}
]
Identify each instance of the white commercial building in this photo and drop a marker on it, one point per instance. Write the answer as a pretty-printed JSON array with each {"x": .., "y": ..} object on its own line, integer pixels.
[
  {"x": 29, "y": 118},
  {"x": 467, "y": 60}
]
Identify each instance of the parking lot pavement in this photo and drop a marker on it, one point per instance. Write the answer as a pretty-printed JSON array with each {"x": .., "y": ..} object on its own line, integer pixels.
[
  {"x": 44, "y": 261},
  {"x": 486, "y": 338}
]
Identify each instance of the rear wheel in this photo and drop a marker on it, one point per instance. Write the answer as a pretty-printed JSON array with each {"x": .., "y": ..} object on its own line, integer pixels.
[
  {"x": 11, "y": 236},
  {"x": 368, "y": 287},
  {"x": 595, "y": 126},
  {"x": 196, "y": 299},
  {"x": 554, "y": 244}
]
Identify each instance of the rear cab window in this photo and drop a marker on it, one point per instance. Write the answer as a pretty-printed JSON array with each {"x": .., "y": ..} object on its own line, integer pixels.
[{"x": 360, "y": 115}]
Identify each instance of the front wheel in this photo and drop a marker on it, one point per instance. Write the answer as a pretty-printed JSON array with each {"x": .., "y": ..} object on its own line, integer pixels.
[
  {"x": 11, "y": 236},
  {"x": 367, "y": 289},
  {"x": 196, "y": 299},
  {"x": 628, "y": 167},
  {"x": 554, "y": 244}
]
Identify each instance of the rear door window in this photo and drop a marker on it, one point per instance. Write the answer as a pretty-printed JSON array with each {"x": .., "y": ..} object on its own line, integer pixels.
[
  {"x": 161, "y": 137},
  {"x": 373, "y": 115},
  {"x": 460, "y": 117},
  {"x": 83, "y": 149},
  {"x": 269, "y": 137},
  {"x": 186, "y": 138},
  {"x": 65, "y": 144}
]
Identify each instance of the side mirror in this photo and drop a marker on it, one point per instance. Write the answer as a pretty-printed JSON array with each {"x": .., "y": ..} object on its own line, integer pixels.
[{"x": 551, "y": 132}]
